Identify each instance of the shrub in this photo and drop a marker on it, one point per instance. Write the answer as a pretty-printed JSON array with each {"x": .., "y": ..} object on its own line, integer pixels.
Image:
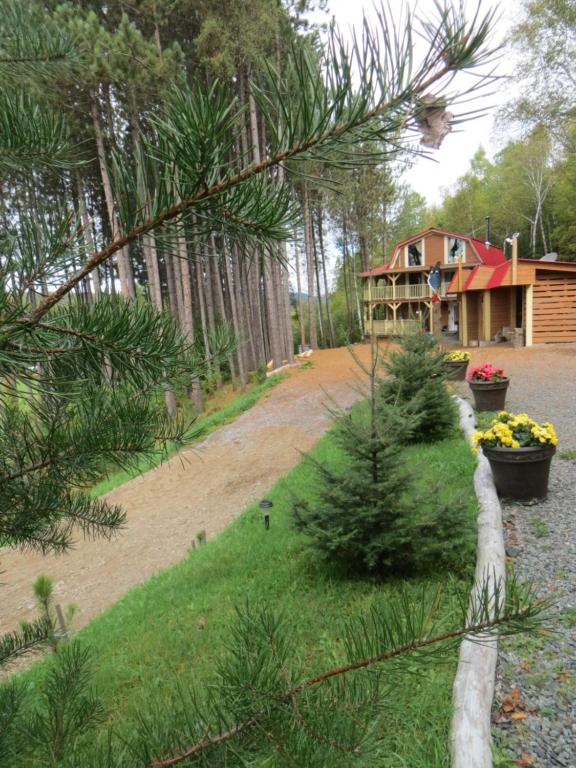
[
  {"x": 416, "y": 385},
  {"x": 367, "y": 513}
]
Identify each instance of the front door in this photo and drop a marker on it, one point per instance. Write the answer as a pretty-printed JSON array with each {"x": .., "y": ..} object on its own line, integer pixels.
[{"x": 452, "y": 315}]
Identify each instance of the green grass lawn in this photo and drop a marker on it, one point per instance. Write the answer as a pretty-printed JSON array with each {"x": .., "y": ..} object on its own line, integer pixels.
[{"x": 171, "y": 629}]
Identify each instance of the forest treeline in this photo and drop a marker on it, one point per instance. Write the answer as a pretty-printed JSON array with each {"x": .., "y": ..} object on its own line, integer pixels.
[{"x": 130, "y": 55}]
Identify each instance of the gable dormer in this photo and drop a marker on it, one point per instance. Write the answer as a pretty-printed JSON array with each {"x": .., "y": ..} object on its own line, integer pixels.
[{"x": 433, "y": 245}]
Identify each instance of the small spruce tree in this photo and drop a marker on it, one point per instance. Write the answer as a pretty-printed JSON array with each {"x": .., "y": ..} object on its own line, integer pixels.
[
  {"x": 415, "y": 384},
  {"x": 368, "y": 513}
]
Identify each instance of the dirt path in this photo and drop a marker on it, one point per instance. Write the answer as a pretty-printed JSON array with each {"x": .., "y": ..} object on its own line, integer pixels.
[{"x": 199, "y": 489}]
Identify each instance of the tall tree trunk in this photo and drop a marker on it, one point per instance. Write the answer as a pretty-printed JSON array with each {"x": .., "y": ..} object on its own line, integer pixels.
[
  {"x": 188, "y": 319},
  {"x": 87, "y": 234},
  {"x": 211, "y": 307},
  {"x": 286, "y": 307},
  {"x": 221, "y": 304},
  {"x": 240, "y": 357},
  {"x": 326, "y": 292},
  {"x": 272, "y": 310},
  {"x": 124, "y": 265},
  {"x": 309, "y": 245},
  {"x": 299, "y": 289},
  {"x": 283, "y": 287},
  {"x": 318, "y": 290},
  {"x": 243, "y": 303}
]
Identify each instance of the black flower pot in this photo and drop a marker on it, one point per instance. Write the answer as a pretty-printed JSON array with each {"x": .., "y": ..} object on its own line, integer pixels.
[
  {"x": 489, "y": 395},
  {"x": 456, "y": 369},
  {"x": 521, "y": 473}
]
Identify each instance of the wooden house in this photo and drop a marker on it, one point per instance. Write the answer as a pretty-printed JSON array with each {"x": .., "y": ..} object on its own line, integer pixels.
[{"x": 482, "y": 295}]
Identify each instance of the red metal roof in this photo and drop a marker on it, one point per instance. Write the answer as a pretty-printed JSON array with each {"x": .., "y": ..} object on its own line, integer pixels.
[{"x": 491, "y": 256}]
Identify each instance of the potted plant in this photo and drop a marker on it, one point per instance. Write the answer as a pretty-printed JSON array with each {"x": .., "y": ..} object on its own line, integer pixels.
[
  {"x": 520, "y": 452},
  {"x": 455, "y": 364},
  {"x": 489, "y": 385}
]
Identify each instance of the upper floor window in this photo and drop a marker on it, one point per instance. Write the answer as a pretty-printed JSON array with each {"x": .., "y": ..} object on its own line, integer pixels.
[
  {"x": 454, "y": 250},
  {"x": 415, "y": 254}
]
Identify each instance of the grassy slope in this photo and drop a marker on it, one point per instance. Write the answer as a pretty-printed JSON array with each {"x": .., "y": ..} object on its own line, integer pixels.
[
  {"x": 172, "y": 627},
  {"x": 216, "y": 415}
]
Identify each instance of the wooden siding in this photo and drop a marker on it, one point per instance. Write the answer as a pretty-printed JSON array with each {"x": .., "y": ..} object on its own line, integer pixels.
[
  {"x": 554, "y": 313},
  {"x": 499, "y": 310},
  {"x": 434, "y": 251}
]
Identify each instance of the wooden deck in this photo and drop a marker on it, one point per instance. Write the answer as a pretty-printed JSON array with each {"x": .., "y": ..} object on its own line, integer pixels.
[{"x": 412, "y": 292}]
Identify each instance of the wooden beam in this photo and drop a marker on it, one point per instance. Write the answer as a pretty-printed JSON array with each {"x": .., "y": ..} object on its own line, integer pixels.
[
  {"x": 528, "y": 320},
  {"x": 486, "y": 315},
  {"x": 465, "y": 339},
  {"x": 514, "y": 260},
  {"x": 512, "y": 308}
]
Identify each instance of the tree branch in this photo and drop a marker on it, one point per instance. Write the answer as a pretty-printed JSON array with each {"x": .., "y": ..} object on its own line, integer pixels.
[{"x": 474, "y": 629}]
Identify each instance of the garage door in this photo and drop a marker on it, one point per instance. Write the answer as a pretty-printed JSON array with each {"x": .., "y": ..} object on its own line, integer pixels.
[{"x": 554, "y": 308}]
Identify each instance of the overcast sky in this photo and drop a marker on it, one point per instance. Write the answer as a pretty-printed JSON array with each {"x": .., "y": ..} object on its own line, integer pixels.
[{"x": 452, "y": 159}]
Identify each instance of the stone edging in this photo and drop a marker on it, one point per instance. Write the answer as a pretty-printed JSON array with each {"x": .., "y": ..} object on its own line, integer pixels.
[{"x": 473, "y": 690}]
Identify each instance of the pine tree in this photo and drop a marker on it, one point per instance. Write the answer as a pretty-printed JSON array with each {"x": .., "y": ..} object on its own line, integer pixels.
[
  {"x": 415, "y": 384},
  {"x": 368, "y": 514}
]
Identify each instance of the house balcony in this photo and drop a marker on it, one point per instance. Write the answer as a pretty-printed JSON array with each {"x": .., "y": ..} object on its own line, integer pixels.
[{"x": 410, "y": 292}]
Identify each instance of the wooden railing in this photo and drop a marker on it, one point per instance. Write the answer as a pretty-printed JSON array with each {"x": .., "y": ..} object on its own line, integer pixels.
[
  {"x": 390, "y": 292},
  {"x": 392, "y": 327}
]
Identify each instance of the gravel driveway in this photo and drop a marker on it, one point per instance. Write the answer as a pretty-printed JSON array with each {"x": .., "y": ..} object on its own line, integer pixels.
[
  {"x": 535, "y": 709},
  {"x": 201, "y": 488}
]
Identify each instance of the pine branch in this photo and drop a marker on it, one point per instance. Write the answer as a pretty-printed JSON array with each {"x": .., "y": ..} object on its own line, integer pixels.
[
  {"x": 16, "y": 644},
  {"x": 489, "y": 618}
]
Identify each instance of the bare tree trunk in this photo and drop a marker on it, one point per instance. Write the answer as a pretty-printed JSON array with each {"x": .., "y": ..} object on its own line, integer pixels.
[
  {"x": 243, "y": 302},
  {"x": 87, "y": 234},
  {"x": 283, "y": 285},
  {"x": 287, "y": 309},
  {"x": 235, "y": 319},
  {"x": 188, "y": 319},
  {"x": 221, "y": 304},
  {"x": 124, "y": 265},
  {"x": 309, "y": 245},
  {"x": 299, "y": 289},
  {"x": 272, "y": 311},
  {"x": 178, "y": 291},
  {"x": 211, "y": 307},
  {"x": 200, "y": 280},
  {"x": 326, "y": 292},
  {"x": 346, "y": 275}
]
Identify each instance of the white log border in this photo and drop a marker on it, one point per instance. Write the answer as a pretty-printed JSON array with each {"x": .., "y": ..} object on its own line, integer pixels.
[{"x": 473, "y": 691}]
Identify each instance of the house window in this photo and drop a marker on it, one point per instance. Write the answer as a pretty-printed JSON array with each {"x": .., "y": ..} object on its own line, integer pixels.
[
  {"x": 454, "y": 250},
  {"x": 415, "y": 254}
]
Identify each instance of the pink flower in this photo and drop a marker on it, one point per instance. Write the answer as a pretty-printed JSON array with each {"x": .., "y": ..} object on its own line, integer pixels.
[{"x": 486, "y": 372}]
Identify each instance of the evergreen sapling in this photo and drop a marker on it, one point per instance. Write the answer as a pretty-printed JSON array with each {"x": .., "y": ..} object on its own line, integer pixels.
[
  {"x": 368, "y": 513},
  {"x": 415, "y": 384}
]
